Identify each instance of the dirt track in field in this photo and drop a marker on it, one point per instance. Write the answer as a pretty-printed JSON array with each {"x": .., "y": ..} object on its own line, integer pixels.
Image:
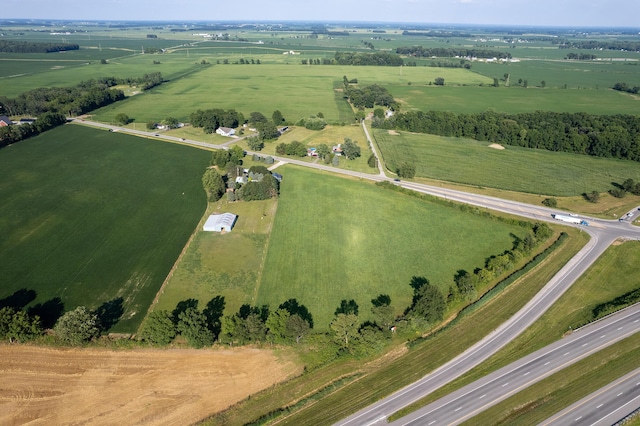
[{"x": 46, "y": 386}]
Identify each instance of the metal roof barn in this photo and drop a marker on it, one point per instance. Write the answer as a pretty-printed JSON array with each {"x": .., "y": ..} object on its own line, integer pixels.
[{"x": 220, "y": 222}]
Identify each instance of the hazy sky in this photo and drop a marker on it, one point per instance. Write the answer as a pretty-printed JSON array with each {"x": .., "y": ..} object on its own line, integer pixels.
[{"x": 593, "y": 13}]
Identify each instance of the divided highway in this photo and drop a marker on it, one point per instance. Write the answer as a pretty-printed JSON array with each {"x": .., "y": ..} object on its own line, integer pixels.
[
  {"x": 499, "y": 385},
  {"x": 606, "y": 406}
]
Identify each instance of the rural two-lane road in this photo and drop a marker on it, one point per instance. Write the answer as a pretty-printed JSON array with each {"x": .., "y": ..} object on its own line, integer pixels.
[{"x": 603, "y": 233}]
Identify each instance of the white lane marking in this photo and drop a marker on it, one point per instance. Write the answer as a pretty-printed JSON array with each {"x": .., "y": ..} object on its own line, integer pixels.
[
  {"x": 584, "y": 345},
  {"x": 619, "y": 328},
  {"x": 527, "y": 373},
  {"x": 636, "y": 321},
  {"x": 483, "y": 396},
  {"x": 431, "y": 423},
  {"x": 547, "y": 363},
  {"x": 578, "y": 418},
  {"x": 620, "y": 394},
  {"x": 566, "y": 354},
  {"x": 458, "y": 409},
  {"x": 603, "y": 336},
  {"x": 505, "y": 384},
  {"x": 599, "y": 405}
]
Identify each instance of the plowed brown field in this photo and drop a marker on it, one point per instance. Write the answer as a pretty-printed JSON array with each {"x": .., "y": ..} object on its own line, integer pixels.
[{"x": 47, "y": 386}]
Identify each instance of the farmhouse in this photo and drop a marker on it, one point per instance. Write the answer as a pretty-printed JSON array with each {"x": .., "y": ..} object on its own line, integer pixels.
[
  {"x": 4, "y": 121},
  {"x": 220, "y": 222},
  {"x": 225, "y": 131}
]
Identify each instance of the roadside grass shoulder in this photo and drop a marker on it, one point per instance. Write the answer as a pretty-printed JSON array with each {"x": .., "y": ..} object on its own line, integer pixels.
[{"x": 471, "y": 162}]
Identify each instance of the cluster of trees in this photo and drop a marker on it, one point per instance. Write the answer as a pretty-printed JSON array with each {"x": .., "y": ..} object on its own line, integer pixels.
[
  {"x": 16, "y": 133},
  {"x": 580, "y": 56},
  {"x": 629, "y": 185},
  {"x": 624, "y": 87},
  {"x": 211, "y": 119},
  {"x": 295, "y": 148},
  {"x": 450, "y": 52},
  {"x": 14, "y": 46},
  {"x": 580, "y": 133},
  {"x": 449, "y": 64},
  {"x": 260, "y": 183},
  {"x": 67, "y": 100},
  {"x": 629, "y": 46},
  {"x": 243, "y": 61},
  {"x": 377, "y": 58},
  {"x": 368, "y": 96},
  {"x": 16, "y": 325},
  {"x": 314, "y": 122}
]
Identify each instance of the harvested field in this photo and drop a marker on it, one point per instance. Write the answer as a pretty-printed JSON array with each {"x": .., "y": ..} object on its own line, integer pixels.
[{"x": 152, "y": 387}]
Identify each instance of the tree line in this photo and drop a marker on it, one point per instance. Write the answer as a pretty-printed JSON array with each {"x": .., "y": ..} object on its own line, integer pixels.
[
  {"x": 16, "y": 133},
  {"x": 629, "y": 46},
  {"x": 580, "y": 56},
  {"x": 624, "y": 87},
  {"x": 613, "y": 136},
  {"x": 451, "y": 52},
  {"x": 14, "y": 46},
  {"x": 377, "y": 58}
]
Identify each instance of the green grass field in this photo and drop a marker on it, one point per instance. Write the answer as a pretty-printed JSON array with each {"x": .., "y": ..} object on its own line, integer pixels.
[
  {"x": 336, "y": 238},
  {"x": 227, "y": 265},
  {"x": 513, "y": 168},
  {"x": 513, "y": 100},
  {"x": 91, "y": 216}
]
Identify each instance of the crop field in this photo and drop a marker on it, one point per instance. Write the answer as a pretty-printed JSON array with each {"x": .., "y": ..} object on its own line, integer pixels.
[
  {"x": 512, "y": 168},
  {"x": 513, "y": 100},
  {"x": 557, "y": 74},
  {"x": 336, "y": 238},
  {"x": 93, "y": 217}
]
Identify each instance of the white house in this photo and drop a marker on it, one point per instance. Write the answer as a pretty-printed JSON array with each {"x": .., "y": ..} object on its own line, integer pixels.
[
  {"x": 225, "y": 131},
  {"x": 220, "y": 222}
]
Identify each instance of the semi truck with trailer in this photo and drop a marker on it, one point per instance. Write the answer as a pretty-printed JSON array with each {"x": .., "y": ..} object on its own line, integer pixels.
[{"x": 570, "y": 219}]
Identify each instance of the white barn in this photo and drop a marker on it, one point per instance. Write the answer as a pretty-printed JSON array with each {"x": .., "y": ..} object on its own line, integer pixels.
[{"x": 220, "y": 222}]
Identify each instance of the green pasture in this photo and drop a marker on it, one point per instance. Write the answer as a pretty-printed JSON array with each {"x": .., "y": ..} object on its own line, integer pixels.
[
  {"x": 513, "y": 168},
  {"x": 336, "y": 238},
  {"x": 513, "y": 100},
  {"x": 227, "y": 265},
  {"x": 92, "y": 216},
  {"x": 556, "y": 74}
]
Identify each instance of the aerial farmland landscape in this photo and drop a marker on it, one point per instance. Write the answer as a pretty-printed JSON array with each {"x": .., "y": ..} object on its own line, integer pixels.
[{"x": 407, "y": 214}]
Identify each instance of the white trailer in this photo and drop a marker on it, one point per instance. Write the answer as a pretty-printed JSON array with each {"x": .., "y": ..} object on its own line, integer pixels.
[{"x": 570, "y": 219}]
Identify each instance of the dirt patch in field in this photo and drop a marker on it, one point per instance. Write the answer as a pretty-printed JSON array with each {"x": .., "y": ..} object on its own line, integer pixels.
[
  {"x": 393, "y": 132},
  {"x": 496, "y": 146},
  {"x": 151, "y": 387}
]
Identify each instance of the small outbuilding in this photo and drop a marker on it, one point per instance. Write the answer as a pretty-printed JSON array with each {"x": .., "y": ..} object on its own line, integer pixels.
[
  {"x": 5, "y": 121},
  {"x": 220, "y": 222}
]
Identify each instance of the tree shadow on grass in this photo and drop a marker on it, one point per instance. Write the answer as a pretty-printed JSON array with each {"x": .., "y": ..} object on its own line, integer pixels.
[
  {"x": 49, "y": 312},
  {"x": 294, "y": 308},
  {"x": 109, "y": 313},
  {"x": 19, "y": 299},
  {"x": 213, "y": 311},
  {"x": 182, "y": 306}
]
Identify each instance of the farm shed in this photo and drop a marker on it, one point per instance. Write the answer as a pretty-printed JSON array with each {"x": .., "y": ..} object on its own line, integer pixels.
[{"x": 220, "y": 222}]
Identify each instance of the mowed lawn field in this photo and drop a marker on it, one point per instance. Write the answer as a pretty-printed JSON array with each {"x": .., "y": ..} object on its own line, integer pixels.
[
  {"x": 337, "y": 238},
  {"x": 91, "y": 216},
  {"x": 513, "y": 168}
]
